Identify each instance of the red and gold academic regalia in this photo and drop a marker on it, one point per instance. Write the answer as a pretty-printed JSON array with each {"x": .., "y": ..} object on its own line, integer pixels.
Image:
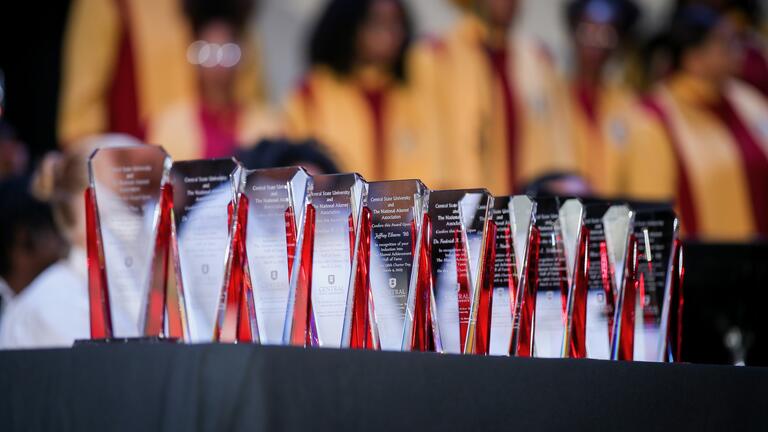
[
  {"x": 189, "y": 131},
  {"x": 601, "y": 119},
  {"x": 369, "y": 123},
  {"x": 124, "y": 63},
  {"x": 502, "y": 112},
  {"x": 708, "y": 150}
]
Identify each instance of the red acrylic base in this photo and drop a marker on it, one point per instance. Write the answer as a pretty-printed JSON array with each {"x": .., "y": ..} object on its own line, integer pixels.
[{"x": 98, "y": 296}]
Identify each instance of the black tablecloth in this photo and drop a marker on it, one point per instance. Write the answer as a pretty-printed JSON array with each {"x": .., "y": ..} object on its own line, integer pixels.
[{"x": 229, "y": 387}]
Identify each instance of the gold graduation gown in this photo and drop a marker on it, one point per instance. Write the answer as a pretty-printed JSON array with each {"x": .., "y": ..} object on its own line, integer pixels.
[
  {"x": 602, "y": 138},
  {"x": 468, "y": 99},
  {"x": 179, "y": 129},
  {"x": 159, "y": 37},
  {"x": 691, "y": 156},
  {"x": 335, "y": 111}
]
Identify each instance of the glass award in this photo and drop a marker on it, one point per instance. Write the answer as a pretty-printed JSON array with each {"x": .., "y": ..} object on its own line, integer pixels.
[
  {"x": 659, "y": 306},
  {"x": 525, "y": 241},
  {"x": 321, "y": 280},
  {"x": 461, "y": 260},
  {"x": 552, "y": 281},
  {"x": 236, "y": 316},
  {"x": 621, "y": 257},
  {"x": 275, "y": 208},
  {"x": 419, "y": 328},
  {"x": 575, "y": 238},
  {"x": 600, "y": 294},
  {"x": 203, "y": 198},
  {"x": 387, "y": 248},
  {"x": 505, "y": 278},
  {"x": 128, "y": 215}
]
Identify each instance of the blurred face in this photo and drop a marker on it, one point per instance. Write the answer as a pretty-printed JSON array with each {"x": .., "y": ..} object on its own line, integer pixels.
[
  {"x": 31, "y": 254},
  {"x": 499, "y": 13},
  {"x": 718, "y": 58},
  {"x": 216, "y": 54},
  {"x": 382, "y": 34},
  {"x": 595, "y": 42}
]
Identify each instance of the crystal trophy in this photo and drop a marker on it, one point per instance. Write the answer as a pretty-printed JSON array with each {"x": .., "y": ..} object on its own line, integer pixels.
[
  {"x": 461, "y": 263},
  {"x": 203, "y": 198},
  {"x": 270, "y": 214},
  {"x": 390, "y": 221},
  {"x": 128, "y": 216},
  {"x": 575, "y": 238},
  {"x": 236, "y": 315},
  {"x": 419, "y": 329},
  {"x": 505, "y": 278},
  {"x": 552, "y": 281},
  {"x": 525, "y": 241},
  {"x": 658, "y": 316},
  {"x": 327, "y": 254},
  {"x": 621, "y": 259},
  {"x": 600, "y": 294}
]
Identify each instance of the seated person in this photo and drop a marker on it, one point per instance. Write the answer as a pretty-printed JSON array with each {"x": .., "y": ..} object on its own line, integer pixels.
[
  {"x": 29, "y": 244},
  {"x": 53, "y": 311}
]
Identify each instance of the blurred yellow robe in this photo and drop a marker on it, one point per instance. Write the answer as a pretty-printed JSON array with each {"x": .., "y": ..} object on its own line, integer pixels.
[
  {"x": 179, "y": 129},
  {"x": 159, "y": 38},
  {"x": 601, "y": 142},
  {"x": 468, "y": 98},
  {"x": 335, "y": 111},
  {"x": 690, "y": 155}
]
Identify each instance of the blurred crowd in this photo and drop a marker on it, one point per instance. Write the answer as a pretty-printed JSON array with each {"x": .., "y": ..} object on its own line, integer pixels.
[{"x": 678, "y": 116}]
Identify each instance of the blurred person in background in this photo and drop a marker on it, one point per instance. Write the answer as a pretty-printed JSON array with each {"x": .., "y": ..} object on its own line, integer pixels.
[
  {"x": 746, "y": 16},
  {"x": 358, "y": 98},
  {"x": 53, "y": 311},
  {"x": 709, "y": 148},
  {"x": 29, "y": 243},
  {"x": 14, "y": 156},
  {"x": 216, "y": 121},
  {"x": 272, "y": 153},
  {"x": 125, "y": 62},
  {"x": 602, "y": 105},
  {"x": 502, "y": 105}
]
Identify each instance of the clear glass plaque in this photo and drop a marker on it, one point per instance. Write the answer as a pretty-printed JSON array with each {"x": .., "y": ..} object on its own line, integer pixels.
[
  {"x": 656, "y": 232},
  {"x": 126, "y": 187},
  {"x": 458, "y": 220},
  {"x": 318, "y": 301},
  {"x": 276, "y": 199},
  {"x": 621, "y": 256},
  {"x": 552, "y": 286},
  {"x": 525, "y": 239},
  {"x": 505, "y": 279},
  {"x": 203, "y": 195},
  {"x": 600, "y": 295},
  {"x": 395, "y": 208},
  {"x": 575, "y": 239}
]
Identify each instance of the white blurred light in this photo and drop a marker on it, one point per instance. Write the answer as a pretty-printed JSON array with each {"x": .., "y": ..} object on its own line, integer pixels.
[
  {"x": 212, "y": 55},
  {"x": 193, "y": 52},
  {"x": 230, "y": 55},
  {"x": 209, "y": 55}
]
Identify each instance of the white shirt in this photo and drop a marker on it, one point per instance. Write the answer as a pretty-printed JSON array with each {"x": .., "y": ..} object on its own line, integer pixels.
[
  {"x": 53, "y": 310},
  {"x": 6, "y": 295}
]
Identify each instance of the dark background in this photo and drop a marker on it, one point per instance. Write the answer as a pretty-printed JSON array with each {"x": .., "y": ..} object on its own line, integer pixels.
[{"x": 30, "y": 57}]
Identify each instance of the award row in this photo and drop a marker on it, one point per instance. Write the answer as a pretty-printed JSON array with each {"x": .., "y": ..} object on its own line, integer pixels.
[{"x": 206, "y": 250}]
